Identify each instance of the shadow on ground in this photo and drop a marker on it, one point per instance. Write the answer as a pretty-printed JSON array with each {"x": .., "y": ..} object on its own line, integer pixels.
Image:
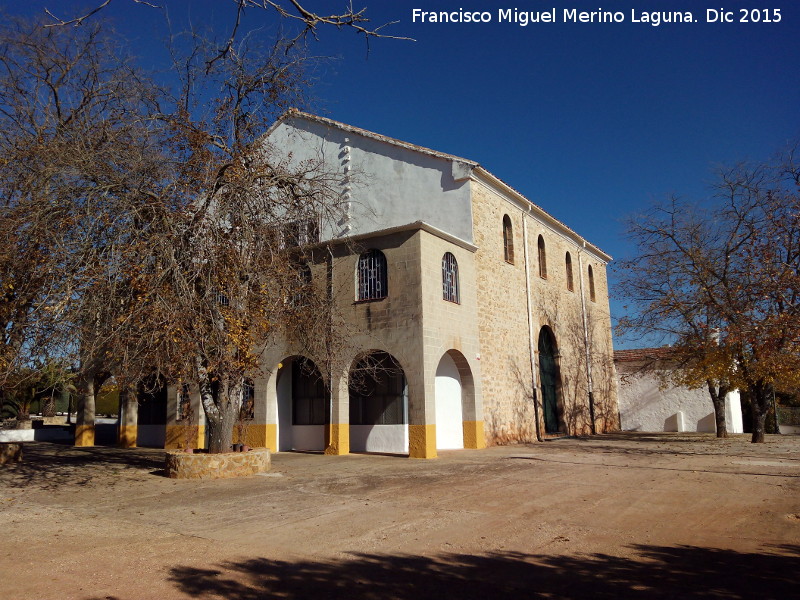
[
  {"x": 48, "y": 465},
  {"x": 654, "y": 572}
]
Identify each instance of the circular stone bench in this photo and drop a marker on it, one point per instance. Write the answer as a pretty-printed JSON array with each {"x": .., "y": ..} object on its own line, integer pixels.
[{"x": 201, "y": 465}]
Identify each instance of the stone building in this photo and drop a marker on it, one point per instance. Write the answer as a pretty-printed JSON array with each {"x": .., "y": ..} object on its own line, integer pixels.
[{"x": 468, "y": 315}]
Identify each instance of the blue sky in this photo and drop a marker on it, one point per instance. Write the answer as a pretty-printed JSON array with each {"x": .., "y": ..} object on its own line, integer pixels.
[{"x": 592, "y": 121}]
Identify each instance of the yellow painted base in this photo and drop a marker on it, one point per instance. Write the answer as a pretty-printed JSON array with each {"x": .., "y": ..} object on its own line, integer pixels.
[
  {"x": 271, "y": 436},
  {"x": 422, "y": 441},
  {"x": 474, "y": 436},
  {"x": 258, "y": 436},
  {"x": 176, "y": 437},
  {"x": 338, "y": 439},
  {"x": 84, "y": 435},
  {"x": 127, "y": 436}
]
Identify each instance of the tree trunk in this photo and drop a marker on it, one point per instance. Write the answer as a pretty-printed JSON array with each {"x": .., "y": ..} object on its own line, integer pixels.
[
  {"x": 221, "y": 429},
  {"x": 84, "y": 423},
  {"x": 222, "y": 411},
  {"x": 718, "y": 400},
  {"x": 759, "y": 403},
  {"x": 49, "y": 405}
]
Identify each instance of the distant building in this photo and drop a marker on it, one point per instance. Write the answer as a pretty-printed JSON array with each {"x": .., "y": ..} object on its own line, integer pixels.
[{"x": 647, "y": 402}]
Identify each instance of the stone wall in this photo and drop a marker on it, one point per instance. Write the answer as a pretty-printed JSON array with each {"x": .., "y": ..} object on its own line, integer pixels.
[
  {"x": 504, "y": 326},
  {"x": 200, "y": 465}
]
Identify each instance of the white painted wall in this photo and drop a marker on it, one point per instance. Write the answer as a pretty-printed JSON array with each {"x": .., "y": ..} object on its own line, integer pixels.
[
  {"x": 392, "y": 439},
  {"x": 41, "y": 434},
  {"x": 390, "y": 185},
  {"x": 645, "y": 407},
  {"x": 284, "y": 386},
  {"x": 449, "y": 414}
]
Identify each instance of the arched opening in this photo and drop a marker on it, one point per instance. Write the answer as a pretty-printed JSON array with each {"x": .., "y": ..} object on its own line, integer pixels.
[
  {"x": 542, "y": 258},
  {"x": 303, "y": 407},
  {"x": 550, "y": 380},
  {"x": 450, "y": 288},
  {"x": 592, "y": 296},
  {"x": 568, "y": 264},
  {"x": 449, "y": 405},
  {"x": 151, "y": 412},
  {"x": 372, "y": 282},
  {"x": 378, "y": 405},
  {"x": 508, "y": 240}
]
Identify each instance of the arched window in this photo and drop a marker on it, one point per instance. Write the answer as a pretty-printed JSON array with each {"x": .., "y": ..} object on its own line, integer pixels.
[
  {"x": 591, "y": 284},
  {"x": 508, "y": 240},
  {"x": 450, "y": 278},
  {"x": 300, "y": 286},
  {"x": 542, "y": 259},
  {"x": 372, "y": 280},
  {"x": 184, "y": 406},
  {"x": 378, "y": 392},
  {"x": 248, "y": 409},
  {"x": 568, "y": 262}
]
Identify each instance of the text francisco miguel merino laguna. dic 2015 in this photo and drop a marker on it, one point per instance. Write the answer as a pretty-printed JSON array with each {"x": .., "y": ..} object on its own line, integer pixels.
[{"x": 573, "y": 15}]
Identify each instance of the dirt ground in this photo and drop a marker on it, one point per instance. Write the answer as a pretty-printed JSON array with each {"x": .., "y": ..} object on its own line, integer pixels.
[{"x": 612, "y": 516}]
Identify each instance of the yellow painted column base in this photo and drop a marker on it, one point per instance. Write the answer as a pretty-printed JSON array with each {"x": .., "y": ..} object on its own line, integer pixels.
[
  {"x": 176, "y": 437},
  {"x": 127, "y": 436},
  {"x": 258, "y": 436},
  {"x": 474, "y": 436},
  {"x": 422, "y": 441},
  {"x": 338, "y": 439},
  {"x": 84, "y": 435}
]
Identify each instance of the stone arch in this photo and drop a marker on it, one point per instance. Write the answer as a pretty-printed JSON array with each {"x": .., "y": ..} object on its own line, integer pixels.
[
  {"x": 454, "y": 400},
  {"x": 550, "y": 380},
  {"x": 378, "y": 397},
  {"x": 302, "y": 404}
]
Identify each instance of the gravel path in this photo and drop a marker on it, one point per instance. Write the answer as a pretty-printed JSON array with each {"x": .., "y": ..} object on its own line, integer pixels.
[{"x": 612, "y": 516}]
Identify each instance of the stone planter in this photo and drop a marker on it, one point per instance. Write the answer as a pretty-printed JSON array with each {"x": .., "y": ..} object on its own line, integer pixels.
[{"x": 201, "y": 465}]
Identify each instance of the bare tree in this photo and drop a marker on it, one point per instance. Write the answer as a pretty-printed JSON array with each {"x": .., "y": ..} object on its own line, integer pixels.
[
  {"x": 152, "y": 232},
  {"x": 722, "y": 282},
  {"x": 74, "y": 148},
  {"x": 220, "y": 263},
  {"x": 309, "y": 21}
]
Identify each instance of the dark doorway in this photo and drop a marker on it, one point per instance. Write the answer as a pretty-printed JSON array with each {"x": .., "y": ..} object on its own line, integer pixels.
[{"x": 548, "y": 376}]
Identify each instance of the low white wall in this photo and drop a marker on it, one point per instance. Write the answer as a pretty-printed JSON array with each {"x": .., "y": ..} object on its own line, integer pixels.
[
  {"x": 392, "y": 439},
  {"x": 643, "y": 406},
  {"x": 42, "y": 434}
]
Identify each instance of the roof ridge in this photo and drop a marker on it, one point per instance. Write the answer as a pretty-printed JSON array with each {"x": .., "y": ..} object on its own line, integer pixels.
[{"x": 377, "y": 136}]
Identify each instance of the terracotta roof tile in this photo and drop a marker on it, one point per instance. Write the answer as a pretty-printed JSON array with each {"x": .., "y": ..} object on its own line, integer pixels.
[{"x": 644, "y": 354}]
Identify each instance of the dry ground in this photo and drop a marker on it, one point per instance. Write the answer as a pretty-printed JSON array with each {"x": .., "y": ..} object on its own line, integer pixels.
[{"x": 629, "y": 515}]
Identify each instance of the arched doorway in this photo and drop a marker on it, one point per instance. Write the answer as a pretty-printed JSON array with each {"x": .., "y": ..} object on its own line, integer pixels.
[
  {"x": 550, "y": 379},
  {"x": 378, "y": 405},
  {"x": 302, "y": 406},
  {"x": 449, "y": 405}
]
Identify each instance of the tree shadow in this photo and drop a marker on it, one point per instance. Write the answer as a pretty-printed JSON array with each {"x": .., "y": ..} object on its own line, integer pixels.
[
  {"x": 653, "y": 572},
  {"x": 48, "y": 465}
]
